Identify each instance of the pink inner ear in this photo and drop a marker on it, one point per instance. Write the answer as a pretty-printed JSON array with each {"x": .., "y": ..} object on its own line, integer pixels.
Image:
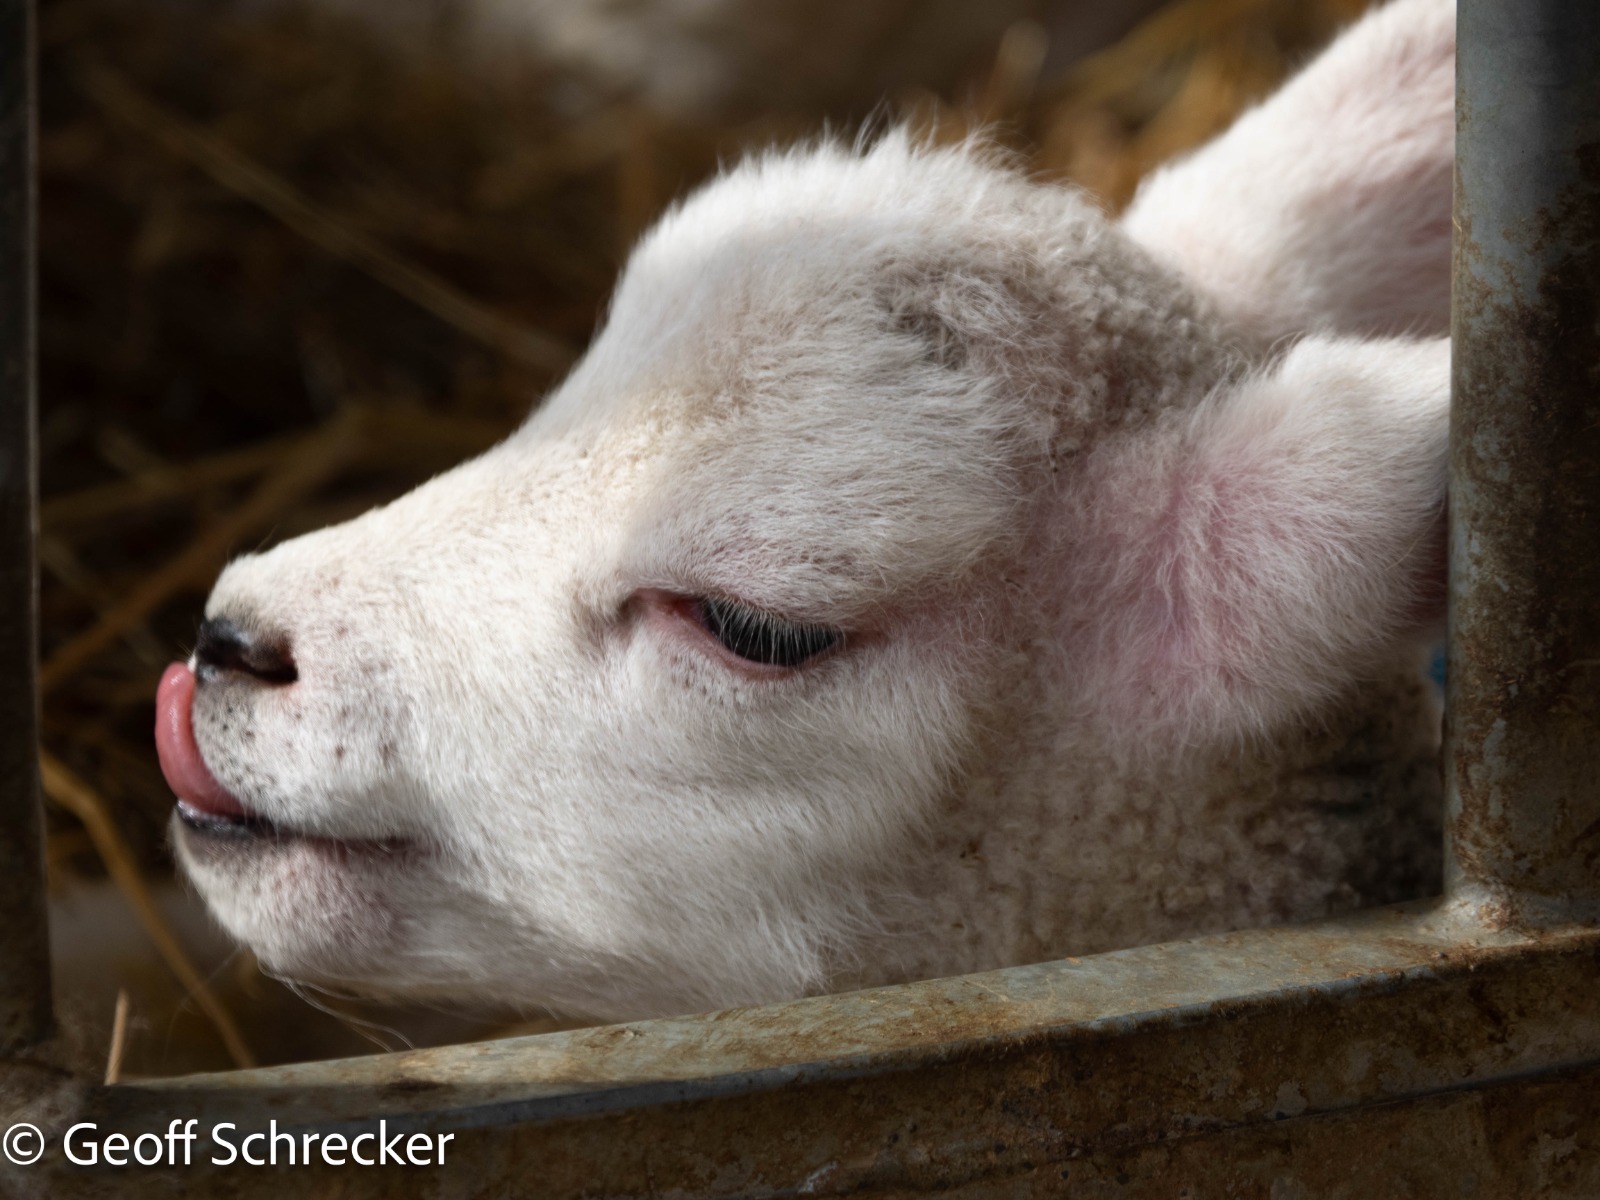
[
  {"x": 1248, "y": 567},
  {"x": 1161, "y": 578}
]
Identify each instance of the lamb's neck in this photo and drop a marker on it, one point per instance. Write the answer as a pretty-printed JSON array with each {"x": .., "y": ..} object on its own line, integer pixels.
[{"x": 1066, "y": 850}]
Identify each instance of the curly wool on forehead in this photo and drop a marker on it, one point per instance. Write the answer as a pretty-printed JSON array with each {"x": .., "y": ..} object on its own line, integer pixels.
[
  {"x": 877, "y": 193},
  {"x": 795, "y": 264},
  {"x": 783, "y": 228}
]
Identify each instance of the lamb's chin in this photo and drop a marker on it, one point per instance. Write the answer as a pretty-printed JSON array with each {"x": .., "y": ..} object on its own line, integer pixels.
[{"x": 309, "y": 907}]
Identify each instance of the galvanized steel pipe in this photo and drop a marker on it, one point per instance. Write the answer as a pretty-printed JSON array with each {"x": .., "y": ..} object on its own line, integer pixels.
[{"x": 1523, "y": 731}]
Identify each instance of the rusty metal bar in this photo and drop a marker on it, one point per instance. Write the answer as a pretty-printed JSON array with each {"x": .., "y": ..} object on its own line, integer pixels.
[
  {"x": 1523, "y": 750},
  {"x": 1461, "y": 1060},
  {"x": 24, "y": 943}
]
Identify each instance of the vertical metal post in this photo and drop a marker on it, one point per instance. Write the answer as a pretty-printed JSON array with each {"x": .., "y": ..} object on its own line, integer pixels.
[
  {"x": 1523, "y": 737},
  {"x": 24, "y": 944}
]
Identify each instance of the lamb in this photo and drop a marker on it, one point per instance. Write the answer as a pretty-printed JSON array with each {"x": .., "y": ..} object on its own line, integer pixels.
[{"x": 920, "y": 573}]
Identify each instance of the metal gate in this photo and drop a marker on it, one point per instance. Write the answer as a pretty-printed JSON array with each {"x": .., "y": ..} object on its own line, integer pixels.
[{"x": 1445, "y": 1048}]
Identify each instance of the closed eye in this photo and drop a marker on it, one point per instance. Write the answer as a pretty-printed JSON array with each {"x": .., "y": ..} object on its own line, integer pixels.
[{"x": 760, "y": 637}]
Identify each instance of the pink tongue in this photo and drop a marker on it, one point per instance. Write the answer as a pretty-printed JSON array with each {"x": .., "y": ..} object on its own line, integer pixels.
[{"x": 187, "y": 774}]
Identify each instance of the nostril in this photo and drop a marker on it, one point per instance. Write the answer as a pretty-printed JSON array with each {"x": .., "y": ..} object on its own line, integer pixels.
[{"x": 224, "y": 646}]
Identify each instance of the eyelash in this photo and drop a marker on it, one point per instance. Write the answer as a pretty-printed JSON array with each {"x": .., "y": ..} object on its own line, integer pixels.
[{"x": 759, "y": 637}]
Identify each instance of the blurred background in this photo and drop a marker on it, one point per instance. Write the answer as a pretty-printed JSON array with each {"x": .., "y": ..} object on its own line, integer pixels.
[{"x": 297, "y": 258}]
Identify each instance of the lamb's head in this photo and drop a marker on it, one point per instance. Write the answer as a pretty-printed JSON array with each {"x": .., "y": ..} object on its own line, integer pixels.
[
  {"x": 668, "y": 701},
  {"x": 645, "y": 701}
]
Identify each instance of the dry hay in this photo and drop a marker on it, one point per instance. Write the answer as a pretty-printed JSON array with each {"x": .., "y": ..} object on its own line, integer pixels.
[{"x": 285, "y": 275}]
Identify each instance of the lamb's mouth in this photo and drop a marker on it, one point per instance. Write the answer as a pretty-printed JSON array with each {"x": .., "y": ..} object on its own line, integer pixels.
[
  {"x": 218, "y": 819},
  {"x": 228, "y": 825},
  {"x": 244, "y": 828}
]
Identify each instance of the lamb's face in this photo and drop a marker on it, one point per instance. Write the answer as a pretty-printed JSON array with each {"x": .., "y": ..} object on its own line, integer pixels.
[
  {"x": 513, "y": 755},
  {"x": 638, "y": 710}
]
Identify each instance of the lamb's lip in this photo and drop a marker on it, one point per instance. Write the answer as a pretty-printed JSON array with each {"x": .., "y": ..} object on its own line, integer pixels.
[
  {"x": 247, "y": 827},
  {"x": 205, "y": 820}
]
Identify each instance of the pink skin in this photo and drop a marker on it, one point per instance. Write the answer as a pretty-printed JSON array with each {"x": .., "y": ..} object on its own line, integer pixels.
[{"x": 181, "y": 762}]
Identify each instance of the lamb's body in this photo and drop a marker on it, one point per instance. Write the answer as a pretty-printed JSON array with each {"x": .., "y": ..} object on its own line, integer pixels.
[{"x": 1133, "y": 588}]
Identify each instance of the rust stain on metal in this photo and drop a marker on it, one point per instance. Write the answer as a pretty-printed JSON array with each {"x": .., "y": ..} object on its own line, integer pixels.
[
  {"x": 1248, "y": 1043},
  {"x": 1523, "y": 757}
]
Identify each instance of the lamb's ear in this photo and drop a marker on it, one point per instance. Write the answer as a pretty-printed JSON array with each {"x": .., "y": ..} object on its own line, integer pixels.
[
  {"x": 1233, "y": 569},
  {"x": 1329, "y": 205}
]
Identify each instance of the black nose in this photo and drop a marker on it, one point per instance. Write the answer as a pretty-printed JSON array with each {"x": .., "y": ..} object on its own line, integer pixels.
[{"x": 224, "y": 646}]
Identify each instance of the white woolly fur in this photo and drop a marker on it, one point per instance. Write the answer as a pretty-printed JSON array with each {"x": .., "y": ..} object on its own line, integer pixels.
[{"x": 1132, "y": 532}]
